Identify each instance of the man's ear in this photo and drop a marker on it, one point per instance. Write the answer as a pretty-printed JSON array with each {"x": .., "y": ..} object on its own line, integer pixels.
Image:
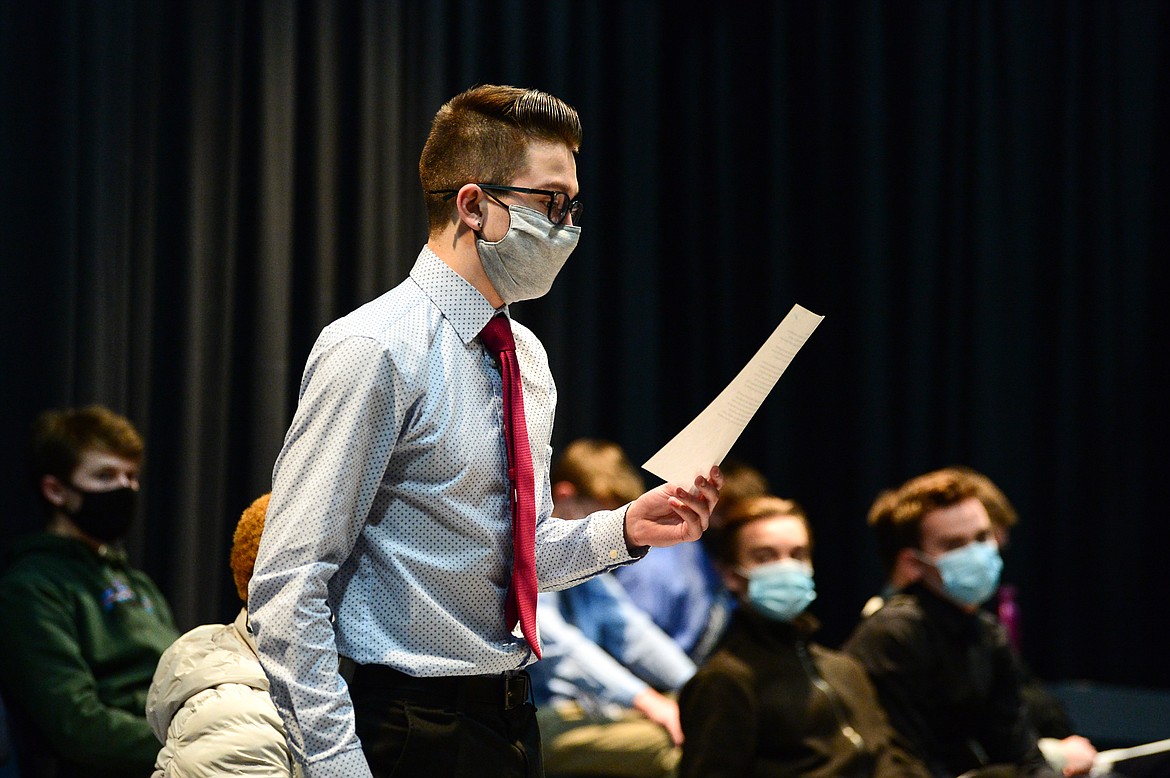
[
  {"x": 469, "y": 206},
  {"x": 908, "y": 567},
  {"x": 53, "y": 490},
  {"x": 734, "y": 582}
]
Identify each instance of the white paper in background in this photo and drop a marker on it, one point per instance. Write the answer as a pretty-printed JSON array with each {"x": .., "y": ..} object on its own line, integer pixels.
[{"x": 706, "y": 440}]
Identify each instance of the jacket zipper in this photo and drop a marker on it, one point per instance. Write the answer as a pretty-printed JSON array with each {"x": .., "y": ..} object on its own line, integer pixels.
[{"x": 851, "y": 734}]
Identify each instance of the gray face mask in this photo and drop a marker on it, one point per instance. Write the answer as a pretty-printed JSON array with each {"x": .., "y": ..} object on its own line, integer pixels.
[{"x": 522, "y": 264}]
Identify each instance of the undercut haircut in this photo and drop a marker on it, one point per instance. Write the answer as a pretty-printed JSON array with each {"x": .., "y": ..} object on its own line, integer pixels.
[{"x": 482, "y": 135}]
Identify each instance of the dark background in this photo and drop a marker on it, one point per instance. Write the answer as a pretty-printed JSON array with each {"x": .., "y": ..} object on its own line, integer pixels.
[{"x": 974, "y": 195}]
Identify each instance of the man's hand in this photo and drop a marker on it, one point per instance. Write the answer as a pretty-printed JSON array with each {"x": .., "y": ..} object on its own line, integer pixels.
[
  {"x": 668, "y": 515},
  {"x": 661, "y": 710}
]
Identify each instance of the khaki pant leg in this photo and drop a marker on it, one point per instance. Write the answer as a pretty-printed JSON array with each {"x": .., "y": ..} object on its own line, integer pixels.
[{"x": 632, "y": 747}]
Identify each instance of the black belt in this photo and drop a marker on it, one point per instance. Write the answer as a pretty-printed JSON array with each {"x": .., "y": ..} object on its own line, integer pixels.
[{"x": 504, "y": 691}]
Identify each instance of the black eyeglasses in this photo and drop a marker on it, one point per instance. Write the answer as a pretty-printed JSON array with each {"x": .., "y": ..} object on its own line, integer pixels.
[{"x": 559, "y": 204}]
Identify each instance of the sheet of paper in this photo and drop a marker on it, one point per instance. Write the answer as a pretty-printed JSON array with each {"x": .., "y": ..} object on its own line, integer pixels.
[
  {"x": 706, "y": 440},
  {"x": 1104, "y": 761}
]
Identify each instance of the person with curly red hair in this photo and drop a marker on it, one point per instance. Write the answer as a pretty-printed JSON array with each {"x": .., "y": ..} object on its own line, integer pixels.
[{"x": 209, "y": 702}]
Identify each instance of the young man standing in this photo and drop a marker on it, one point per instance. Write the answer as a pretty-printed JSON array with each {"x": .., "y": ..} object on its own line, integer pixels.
[
  {"x": 83, "y": 630},
  {"x": 943, "y": 667},
  {"x": 410, "y": 523}
]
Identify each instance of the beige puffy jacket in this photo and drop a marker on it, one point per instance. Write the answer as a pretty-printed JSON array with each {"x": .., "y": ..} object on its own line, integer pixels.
[{"x": 209, "y": 706}]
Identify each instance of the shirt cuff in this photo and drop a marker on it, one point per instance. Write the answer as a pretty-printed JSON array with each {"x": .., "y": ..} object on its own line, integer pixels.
[
  {"x": 347, "y": 764},
  {"x": 614, "y": 537},
  {"x": 626, "y": 690}
]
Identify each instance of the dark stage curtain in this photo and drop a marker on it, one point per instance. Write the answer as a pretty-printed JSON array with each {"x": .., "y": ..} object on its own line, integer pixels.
[{"x": 974, "y": 194}]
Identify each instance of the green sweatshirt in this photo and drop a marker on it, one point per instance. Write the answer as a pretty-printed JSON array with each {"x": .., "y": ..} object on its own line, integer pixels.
[{"x": 80, "y": 638}]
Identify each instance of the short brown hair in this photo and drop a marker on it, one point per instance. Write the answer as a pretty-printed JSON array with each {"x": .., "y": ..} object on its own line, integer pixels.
[
  {"x": 60, "y": 436},
  {"x": 896, "y": 514},
  {"x": 750, "y": 509},
  {"x": 740, "y": 481},
  {"x": 999, "y": 508},
  {"x": 599, "y": 470},
  {"x": 245, "y": 542},
  {"x": 482, "y": 136}
]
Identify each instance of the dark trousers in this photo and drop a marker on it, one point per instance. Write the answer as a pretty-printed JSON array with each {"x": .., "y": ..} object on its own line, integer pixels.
[{"x": 454, "y": 727}]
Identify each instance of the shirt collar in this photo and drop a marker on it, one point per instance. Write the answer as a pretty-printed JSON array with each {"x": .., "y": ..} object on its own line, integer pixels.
[{"x": 460, "y": 303}]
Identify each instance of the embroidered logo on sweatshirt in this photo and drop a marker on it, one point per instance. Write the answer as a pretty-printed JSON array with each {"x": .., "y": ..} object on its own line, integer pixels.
[{"x": 118, "y": 591}]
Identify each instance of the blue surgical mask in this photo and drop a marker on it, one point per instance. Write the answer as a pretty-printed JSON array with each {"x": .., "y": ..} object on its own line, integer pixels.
[
  {"x": 781, "y": 590},
  {"x": 971, "y": 573}
]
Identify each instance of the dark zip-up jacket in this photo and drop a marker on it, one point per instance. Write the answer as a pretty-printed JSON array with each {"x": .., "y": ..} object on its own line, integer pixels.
[
  {"x": 771, "y": 704},
  {"x": 950, "y": 684}
]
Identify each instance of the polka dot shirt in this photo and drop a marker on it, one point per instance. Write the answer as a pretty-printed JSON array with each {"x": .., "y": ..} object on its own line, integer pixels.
[{"x": 388, "y": 536}]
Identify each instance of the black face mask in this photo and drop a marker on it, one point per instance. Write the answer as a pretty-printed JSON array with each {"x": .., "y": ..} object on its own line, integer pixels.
[{"x": 106, "y": 516}]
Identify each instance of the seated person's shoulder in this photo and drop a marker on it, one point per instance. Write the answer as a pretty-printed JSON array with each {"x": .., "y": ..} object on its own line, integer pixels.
[
  {"x": 901, "y": 620},
  {"x": 841, "y": 668},
  {"x": 898, "y": 608},
  {"x": 43, "y": 562},
  {"x": 723, "y": 669},
  {"x": 206, "y": 657},
  {"x": 208, "y": 641}
]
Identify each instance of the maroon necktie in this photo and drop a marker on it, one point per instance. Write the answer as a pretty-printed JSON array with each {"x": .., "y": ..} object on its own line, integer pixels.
[{"x": 521, "y": 602}]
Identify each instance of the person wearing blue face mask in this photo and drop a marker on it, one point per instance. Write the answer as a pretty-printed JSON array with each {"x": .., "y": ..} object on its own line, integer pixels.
[
  {"x": 943, "y": 667},
  {"x": 769, "y": 701},
  {"x": 1065, "y": 750}
]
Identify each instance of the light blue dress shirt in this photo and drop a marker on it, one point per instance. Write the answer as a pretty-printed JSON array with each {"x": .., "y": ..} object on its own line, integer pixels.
[
  {"x": 388, "y": 534},
  {"x": 601, "y": 650}
]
